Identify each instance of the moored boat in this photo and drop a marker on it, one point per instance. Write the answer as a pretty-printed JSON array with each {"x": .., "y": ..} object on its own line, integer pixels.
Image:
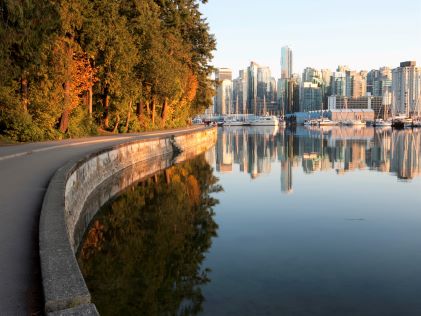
[{"x": 265, "y": 121}]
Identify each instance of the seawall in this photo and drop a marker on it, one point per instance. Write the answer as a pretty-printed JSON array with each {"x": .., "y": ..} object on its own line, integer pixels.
[{"x": 77, "y": 191}]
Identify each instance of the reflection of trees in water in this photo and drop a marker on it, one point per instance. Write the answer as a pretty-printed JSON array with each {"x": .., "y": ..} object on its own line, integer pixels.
[{"x": 143, "y": 253}]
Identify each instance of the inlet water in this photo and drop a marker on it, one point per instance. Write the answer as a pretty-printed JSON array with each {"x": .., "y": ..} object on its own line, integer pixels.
[{"x": 303, "y": 221}]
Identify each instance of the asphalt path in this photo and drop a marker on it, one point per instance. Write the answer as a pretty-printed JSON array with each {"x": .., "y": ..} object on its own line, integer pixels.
[{"x": 25, "y": 171}]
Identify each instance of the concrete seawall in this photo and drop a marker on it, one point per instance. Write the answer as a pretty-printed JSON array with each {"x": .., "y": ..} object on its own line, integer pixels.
[{"x": 79, "y": 189}]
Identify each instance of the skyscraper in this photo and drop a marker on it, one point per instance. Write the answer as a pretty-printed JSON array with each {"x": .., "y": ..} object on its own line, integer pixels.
[
  {"x": 406, "y": 87},
  {"x": 223, "y": 98},
  {"x": 252, "y": 88},
  {"x": 223, "y": 74},
  {"x": 286, "y": 62},
  {"x": 240, "y": 92}
]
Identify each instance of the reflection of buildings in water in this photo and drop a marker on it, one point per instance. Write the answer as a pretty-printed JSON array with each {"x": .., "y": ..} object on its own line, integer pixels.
[
  {"x": 286, "y": 176},
  {"x": 406, "y": 154},
  {"x": 224, "y": 151},
  {"x": 253, "y": 149},
  {"x": 339, "y": 149}
]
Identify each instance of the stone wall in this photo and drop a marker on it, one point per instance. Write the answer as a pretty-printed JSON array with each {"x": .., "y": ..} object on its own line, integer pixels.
[{"x": 79, "y": 189}]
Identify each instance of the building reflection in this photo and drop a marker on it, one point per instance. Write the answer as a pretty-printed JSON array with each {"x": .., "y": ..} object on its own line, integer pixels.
[{"x": 256, "y": 150}]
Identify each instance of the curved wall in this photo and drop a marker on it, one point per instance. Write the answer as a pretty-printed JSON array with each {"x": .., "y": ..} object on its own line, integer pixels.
[{"x": 77, "y": 191}]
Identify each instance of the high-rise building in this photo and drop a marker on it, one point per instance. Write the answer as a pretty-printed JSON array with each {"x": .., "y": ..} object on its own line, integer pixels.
[
  {"x": 309, "y": 74},
  {"x": 286, "y": 62},
  {"x": 223, "y": 74},
  {"x": 240, "y": 93},
  {"x": 406, "y": 88},
  {"x": 326, "y": 74},
  {"x": 223, "y": 98},
  {"x": 338, "y": 83},
  {"x": 311, "y": 97},
  {"x": 359, "y": 85},
  {"x": 252, "y": 87}
]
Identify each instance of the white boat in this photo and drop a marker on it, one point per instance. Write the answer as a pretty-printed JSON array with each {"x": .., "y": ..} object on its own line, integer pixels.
[
  {"x": 416, "y": 122},
  {"x": 265, "y": 121},
  {"x": 233, "y": 122},
  {"x": 382, "y": 123},
  {"x": 326, "y": 122},
  {"x": 310, "y": 122},
  {"x": 353, "y": 122}
]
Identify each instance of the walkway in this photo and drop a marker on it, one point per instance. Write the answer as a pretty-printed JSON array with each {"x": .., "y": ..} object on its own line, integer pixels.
[{"x": 25, "y": 171}]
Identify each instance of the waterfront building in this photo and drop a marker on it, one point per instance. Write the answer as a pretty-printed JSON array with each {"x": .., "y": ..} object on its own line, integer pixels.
[
  {"x": 338, "y": 83},
  {"x": 263, "y": 89},
  {"x": 252, "y": 88},
  {"x": 326, "y": 74},
  {"x": 311, "y": 97},
  {"x": 309, "y": 74},
  {"x": 406, "y": 88},
  {"x": 379, "y": 81},
  {"x": 223, "y": 74},
  {"x": 286, "y": 62},
  {"x": 239, "y": 97},
  {"x": 224, "y": 104},
  {"x": 359, "y": 85}
]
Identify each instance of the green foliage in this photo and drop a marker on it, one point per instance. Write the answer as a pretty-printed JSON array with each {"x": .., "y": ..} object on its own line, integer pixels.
[{"x": 145, "y": 64}]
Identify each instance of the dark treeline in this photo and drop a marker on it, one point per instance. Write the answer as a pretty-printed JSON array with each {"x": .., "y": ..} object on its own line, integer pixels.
[{"x": 68, "y": 67}]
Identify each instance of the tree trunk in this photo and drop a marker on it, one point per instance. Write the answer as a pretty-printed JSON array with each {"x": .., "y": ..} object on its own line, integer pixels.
[
  {"x": 106, "y": 104},
  {"x": 139, "y": 109},
  {"x": 64, "y": 120},
  {"x": 116, "y": 124},
  {"x": 129, "y": 114},
  {"x": 90, "y": 101},
  {"x": 167, "y": 176},
  {"x": 164, "y": 112},
  {"x": 148, "y": 109},
  {"x": 153, "y": 110}
]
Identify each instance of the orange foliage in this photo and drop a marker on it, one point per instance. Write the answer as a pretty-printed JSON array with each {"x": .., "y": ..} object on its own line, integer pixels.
[{"x": 191, "y": 87}]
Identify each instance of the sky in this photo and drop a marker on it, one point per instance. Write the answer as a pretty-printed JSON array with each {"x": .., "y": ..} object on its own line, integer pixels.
[{"x": 363, "y": 34}]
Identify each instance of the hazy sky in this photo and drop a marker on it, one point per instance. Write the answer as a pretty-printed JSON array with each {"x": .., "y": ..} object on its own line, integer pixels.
[{"x": 363, "y": 34}]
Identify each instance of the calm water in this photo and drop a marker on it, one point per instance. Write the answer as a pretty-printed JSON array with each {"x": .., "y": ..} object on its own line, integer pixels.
[{"x": 309, "y": 222}]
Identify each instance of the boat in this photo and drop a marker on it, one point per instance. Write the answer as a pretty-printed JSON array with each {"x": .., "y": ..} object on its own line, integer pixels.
[
  {"x": 268, "y": 120},
  {"x": 233, "y": 122},
  {"x": 310, "y": 122},
  {"x": 326, "y": 122},
  {"x": 382, "y": 123},
  {"x": 353, "y": 122}
]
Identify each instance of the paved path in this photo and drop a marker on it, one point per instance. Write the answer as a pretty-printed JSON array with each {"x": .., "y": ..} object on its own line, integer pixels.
[{"x": 25, "y": 171}]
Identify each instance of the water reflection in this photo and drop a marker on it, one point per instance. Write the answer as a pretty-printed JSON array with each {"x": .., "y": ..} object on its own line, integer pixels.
[
  {"x": 143, "y": 252},
  {"x": 342, "y": 149}
]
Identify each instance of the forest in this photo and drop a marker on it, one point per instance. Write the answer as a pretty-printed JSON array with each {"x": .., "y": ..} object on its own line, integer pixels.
[{"x": 70, "y": 68}]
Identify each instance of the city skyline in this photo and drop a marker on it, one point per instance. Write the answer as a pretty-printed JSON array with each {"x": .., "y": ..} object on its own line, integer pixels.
[{"x": 362, "y": 35}]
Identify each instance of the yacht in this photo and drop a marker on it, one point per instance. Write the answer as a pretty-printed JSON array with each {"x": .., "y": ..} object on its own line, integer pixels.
[
  {"x": 382, "y": 123},
  {"x": 326, "y": 122},
  {"x": 265, "y": 121},
  {"x": 353, "y": 122},
  {"x": 233, "y": 122}
]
